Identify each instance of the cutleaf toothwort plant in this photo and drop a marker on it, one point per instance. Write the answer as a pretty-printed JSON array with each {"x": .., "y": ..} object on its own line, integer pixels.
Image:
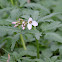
[
  {"x": 24, "y": 23},
  {"x": 29, "y": 25}
]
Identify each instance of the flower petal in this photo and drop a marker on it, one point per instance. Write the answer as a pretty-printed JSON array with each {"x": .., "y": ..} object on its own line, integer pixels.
[
  {"x": 34, "y": 23},
  {"x": 14, "y": 22},
  {"x": 15, "y": 25},
  {"x": 23, "y": 28},
  {"x": 23, "y": 22},
  {"x": 29, "y": 26},
  {"x": 30, "y": 19},
  {"x": 22, "y": 25}
]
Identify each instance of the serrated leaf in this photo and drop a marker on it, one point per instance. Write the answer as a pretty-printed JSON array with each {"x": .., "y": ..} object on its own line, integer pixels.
[
  {"x": 37, "y": 6},
  {"x": 15, "y": 13},
  {"x": 8, "y": 30},
  {"x": 35, "y": 15},
  {"x": 47, "y": 20},
  {"x": 22, "y": 2},
  {"x": 54, "y": 47},
  {"x": 48, "y": 16},
  {"x": 36, "y": 33},
  {"x": 47, "y": 53},
  {"x": 14, "y": 39},
  {"x": 51, "y": 26},
  {"x": 29, "y": 38},
  {"x": 39, "y": 60},
  {"x": 31, "y": 53},
  {"x": 1, "y": 45},
  {"x": 54, "y": 58},
  {"x": 60, "y": 50},
  {"x": 53, "y": 37}
]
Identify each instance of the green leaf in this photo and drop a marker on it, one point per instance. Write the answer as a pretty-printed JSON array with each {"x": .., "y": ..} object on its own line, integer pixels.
[
  {"x": 14, "y": 39},
  {"x": 54, "y": 58},
  {"x": 47, "y": 20},
  {"x": 35, "y": 15},
  {"x": 48, "y": 16},
  {"x": 22, "y": 2},
  {"x": 30, "y": 53},
  {"x": 54, "y": 47},
  {"x": 1, "y": 45},
  {"x": 7, "y": 30},
  {"x": 36, "y": 33},
  {"x": 29, "y": 38},
  {"x": 60, "y": 50},
  {"x": 36, "y": 6},
  {"x": 53, "y": 37},
  {"x": 15, "y": 13},
  {"x": 4, "y": 3},
  {"x": 39, "y": 60},
  {"x": 52, "y": 26},
  {"x": 47, "y": 53}
]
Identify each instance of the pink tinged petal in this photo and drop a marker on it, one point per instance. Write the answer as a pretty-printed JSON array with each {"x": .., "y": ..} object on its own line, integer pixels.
[
  {"x": 14, "y": 22},
  {"x": 15, "y": 25},
  {"x": 29, "y": 26},
  {"x": 30, "y": 19},
  {"x": 23, "y": 28},
  {"x": 22, "y": 25},
  {"x": 34, "y": 23},
  {"x": 23, "y": 22}
]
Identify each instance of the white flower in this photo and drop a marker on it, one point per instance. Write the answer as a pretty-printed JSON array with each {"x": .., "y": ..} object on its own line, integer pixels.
[{"x": 31, "y": 22}]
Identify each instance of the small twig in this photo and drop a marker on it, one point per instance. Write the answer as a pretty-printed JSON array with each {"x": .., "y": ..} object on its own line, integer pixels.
[
  {"x": 8, "y": 58},
  {"x": 28, "y": 1}
]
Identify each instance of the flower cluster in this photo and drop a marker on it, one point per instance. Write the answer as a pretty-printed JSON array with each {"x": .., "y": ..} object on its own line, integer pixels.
[{"x": 24, "y": 23}]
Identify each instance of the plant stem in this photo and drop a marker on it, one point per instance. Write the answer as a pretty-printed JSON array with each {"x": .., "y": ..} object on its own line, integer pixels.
[
  {"x": 28, "y": 1},
  {"x": 23, "y": 43},
  {"x": 37, "y": 48},
  {"x": 12, "y": 2}
]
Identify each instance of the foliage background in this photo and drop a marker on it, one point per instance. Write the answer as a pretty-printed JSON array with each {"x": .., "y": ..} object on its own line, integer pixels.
[{"x": 48, "y": 13}]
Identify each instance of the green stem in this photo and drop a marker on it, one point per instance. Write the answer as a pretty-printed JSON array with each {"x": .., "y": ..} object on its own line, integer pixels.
[
  {"x": 37, "y": 48},
  {"x": 23, "y": 43},
  {"x": 12, "y": 2}
]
